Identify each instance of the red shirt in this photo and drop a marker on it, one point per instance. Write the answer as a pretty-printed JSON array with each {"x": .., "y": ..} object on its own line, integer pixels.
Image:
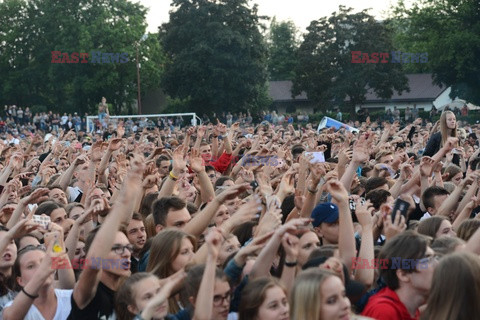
[
  {"x": 222, "y": 163},
  {"x": 386, "y": 305}
]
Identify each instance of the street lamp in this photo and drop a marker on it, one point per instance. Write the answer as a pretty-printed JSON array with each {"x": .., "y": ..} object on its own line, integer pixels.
[{"x": 139, "y": 101}]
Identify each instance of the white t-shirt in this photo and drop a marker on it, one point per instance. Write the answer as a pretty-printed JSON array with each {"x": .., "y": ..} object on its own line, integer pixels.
[
  {"x": 63, "y": 307},
  {"x": 425, "y": 216}
]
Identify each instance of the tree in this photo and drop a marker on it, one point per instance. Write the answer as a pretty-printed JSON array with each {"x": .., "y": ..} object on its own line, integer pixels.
[
  {"x": 28, "y": 36},
  {"x": 282, "y": 46},
  {"x": 216, "y": 55},
  {"x": 448, "y": 30},
  {"x": 325, "y": 70}
]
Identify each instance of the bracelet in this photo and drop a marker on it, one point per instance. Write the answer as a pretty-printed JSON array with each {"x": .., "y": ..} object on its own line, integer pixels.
[
  {"x": 29, "y": 295},
  {"x": 312, "y": 191},
  {"x": 172, "y": 176},
  {"x": 290, "y": 264}
]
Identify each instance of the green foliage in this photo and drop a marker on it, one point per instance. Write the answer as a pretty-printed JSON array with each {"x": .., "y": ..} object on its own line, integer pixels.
[
  {"x": 449, "y": 30},
  {"x": 216, "y": 55},
  {"x": 325, "y": 69},
  {"x": 282, "y": 46},
  {"x": 31, "y": 30}
]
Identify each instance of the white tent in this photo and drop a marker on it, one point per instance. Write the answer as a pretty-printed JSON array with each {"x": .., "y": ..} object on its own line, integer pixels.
[{"x": 459, "y": 103}]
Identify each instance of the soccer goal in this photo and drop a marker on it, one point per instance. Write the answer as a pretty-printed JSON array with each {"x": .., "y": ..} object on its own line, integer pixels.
[{"x": 148, "y": 119}]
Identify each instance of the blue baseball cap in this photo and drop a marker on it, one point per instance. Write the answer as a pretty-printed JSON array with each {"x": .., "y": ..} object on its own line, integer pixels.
[{"x": 324, "y": 212}]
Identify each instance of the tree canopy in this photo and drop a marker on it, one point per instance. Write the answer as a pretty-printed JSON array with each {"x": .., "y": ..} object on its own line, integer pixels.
[
  {"x": 282, "y": 49},
  {"x": 449, "y": 31},
  {"x": 325, "y": 70},
  {"x": 31, "y": 30},
  {"x": 216, "y": 55}
]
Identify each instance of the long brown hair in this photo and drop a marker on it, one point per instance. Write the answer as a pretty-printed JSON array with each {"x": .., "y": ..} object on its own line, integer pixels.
[
  {"x": 124, "y": 296},
  {"x": 444, "y": 128},
  {"x": 165, "y": 248},
  {"x": 430, "y": 226},
  {"x": 455, "y": 290},
  {"x": 253, "y": 296}
]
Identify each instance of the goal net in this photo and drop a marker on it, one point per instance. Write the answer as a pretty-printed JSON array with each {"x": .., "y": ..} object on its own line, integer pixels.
[{"x": 138, "y": 122}]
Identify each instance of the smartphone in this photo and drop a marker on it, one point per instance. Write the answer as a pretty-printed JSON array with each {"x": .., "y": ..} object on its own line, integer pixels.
[
  {"x": 43, "y": 221},
  {"x": 387, "y": 168},
  {"x": 254, "y": 185},
  {"x": 58, "y": 244},
  {"x": 402, "y": 207},
  {"x": 317, "y": 157}
]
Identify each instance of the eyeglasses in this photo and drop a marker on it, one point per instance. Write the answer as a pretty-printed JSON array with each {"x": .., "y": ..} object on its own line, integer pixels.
[
  {"x": 218, "y": 300},
  {"x": 431, "y": 259},
  {"x": 31, "y": 247},
  {"x": 119, "y": 249}
]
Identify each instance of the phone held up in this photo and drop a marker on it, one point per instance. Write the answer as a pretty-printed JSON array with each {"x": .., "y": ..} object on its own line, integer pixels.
[{"x": 400, "y": 206}]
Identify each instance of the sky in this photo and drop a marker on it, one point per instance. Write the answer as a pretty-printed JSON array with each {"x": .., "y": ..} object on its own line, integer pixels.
[{"x": 301, "y": 12}]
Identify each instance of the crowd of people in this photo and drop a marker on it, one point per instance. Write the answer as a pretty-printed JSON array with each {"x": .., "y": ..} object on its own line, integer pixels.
[{"x": 192, "y": 223}]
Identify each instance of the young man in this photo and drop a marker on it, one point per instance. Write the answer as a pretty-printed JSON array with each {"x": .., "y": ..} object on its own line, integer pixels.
[
  {"x": 408, "y": 276},
  {"x": 432, "y": 198},
  {"x": 325, "y": 222},
  {"x": 137, "y": 236},
  {"x": 93, "y": 296}
]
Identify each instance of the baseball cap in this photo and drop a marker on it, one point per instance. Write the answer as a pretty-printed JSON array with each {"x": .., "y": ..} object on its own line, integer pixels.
[{"x": 324, "y": 212}]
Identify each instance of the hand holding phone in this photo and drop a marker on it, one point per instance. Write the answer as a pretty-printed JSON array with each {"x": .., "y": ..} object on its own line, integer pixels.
[
  {"x": 318, "y": 157},
  {"x": 400, "y": 206},
  {"x": 58, "y": 244},
  {"x": 42, "y": 220}
]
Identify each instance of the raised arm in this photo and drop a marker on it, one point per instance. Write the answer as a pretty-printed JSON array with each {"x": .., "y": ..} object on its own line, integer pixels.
[
  {"x": 346, "y": 238},
  {"x": 86, "y": 286},
  {"x": 204, "y": 302},
  {"x": 196, "y": 164},
  {"x": 364, "y": 216},
  {"x": 179, "y": 164},
  {"x": 200, "y": 222},
  {"x": 264, "y": 261}
]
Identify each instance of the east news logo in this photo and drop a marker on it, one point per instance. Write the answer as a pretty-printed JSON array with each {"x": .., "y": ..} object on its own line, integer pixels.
[
  {"x": 95, "y": 57},
  {"x": 384, "y": 57}
]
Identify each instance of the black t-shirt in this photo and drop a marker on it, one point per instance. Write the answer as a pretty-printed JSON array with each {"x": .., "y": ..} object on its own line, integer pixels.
[{"x": 101, "y": 307}]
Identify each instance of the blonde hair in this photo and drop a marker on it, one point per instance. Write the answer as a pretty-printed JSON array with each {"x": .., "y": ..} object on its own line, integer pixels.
[
  {"x": 444, "y": 128},
  {"x": 305, "y": 298},
  {"x": 455, "y": 290}
]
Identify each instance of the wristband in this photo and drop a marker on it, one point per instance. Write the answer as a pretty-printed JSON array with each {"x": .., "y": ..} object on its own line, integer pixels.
[
  {"x": 29, "y": 295},
  {"x": 172, "y": 176},
  {"x": 312, "y": 191},
  {"x": 290, "y": 264}
]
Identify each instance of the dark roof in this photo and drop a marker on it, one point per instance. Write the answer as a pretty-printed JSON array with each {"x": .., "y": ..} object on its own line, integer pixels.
[
  {"x": 421, "y": 89},
  {"x": 282, "y": 91}
]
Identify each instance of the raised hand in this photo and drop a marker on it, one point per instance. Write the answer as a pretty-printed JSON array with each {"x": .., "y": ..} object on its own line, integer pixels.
[
  {"x": 426, "y": 166},
  {"x": 201, "y": 132},
  {"x": 115, "y": 144},
  {"x": 232, "y": 192},
  {"x": 361, "y": 154},
  {"x": 337, "y": 191},
  {"x": 291, "y": 246},
  {"x": 37, "y": 196},
  {"x": 179, "y": 162},
  {"x": 254, "y": 246},
  {"x": 214, "y": 240},
  {"x": 391, "y": 229},
  {"x": 196, "y": 161},
  {"x": 364, "y": 212},
  {"x": 23, "y": 227}
]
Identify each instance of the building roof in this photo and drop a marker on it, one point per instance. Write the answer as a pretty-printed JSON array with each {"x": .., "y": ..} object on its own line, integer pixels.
[
  {"x": 421, "y": 86},
  {"x": 282, "y": 91}
]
